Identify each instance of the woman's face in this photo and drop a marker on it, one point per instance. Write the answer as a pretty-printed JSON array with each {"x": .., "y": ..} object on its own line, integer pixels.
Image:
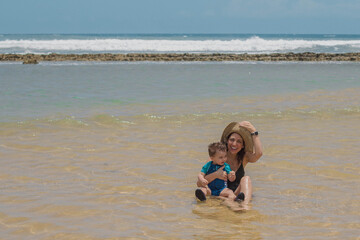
[{"x": 235, "y": 143}]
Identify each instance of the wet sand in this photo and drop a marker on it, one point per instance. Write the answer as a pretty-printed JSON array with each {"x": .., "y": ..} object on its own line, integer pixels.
[{"x": 297, "y": 57}]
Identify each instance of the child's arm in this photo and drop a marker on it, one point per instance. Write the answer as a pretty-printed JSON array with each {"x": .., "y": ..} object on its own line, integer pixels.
[{"x": 202, "y": 180}]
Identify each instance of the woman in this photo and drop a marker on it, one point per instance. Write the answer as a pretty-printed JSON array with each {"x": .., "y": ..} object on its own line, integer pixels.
[{"x": 244, "y": 146}]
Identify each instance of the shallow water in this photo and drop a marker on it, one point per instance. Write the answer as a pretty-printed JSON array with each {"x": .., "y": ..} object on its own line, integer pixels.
[{"x": 98, "y": 170}]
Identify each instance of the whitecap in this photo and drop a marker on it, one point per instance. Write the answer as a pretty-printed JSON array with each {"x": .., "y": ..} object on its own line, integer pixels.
[{"x": 252, "y": 45}]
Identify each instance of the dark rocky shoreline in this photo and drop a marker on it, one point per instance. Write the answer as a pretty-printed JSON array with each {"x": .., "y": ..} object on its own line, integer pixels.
[{"x": 189, "y": 57}]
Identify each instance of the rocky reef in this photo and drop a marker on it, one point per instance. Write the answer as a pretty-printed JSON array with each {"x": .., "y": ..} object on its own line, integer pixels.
[{"x": 168, "y": 57}]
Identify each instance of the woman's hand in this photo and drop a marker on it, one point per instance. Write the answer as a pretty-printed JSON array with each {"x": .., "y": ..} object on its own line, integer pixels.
[
  {"x": 221, "y": 174},
  {"x": 248, "y": 126}
]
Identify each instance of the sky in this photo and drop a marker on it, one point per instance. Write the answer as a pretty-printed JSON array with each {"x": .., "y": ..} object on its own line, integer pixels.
[{"x": 180, "y": 16}]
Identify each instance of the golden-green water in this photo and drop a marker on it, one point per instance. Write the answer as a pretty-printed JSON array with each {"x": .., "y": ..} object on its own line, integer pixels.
[
  {"x": 133, "y": 176},
  {"x": 106, "y": 179}
]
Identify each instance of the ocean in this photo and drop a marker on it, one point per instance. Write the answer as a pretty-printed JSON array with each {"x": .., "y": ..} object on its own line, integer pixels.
[{"x": 111, "y": 150}]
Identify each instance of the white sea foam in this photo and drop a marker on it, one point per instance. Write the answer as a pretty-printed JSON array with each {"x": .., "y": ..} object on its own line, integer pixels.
[{"x": 250, "y": 45}]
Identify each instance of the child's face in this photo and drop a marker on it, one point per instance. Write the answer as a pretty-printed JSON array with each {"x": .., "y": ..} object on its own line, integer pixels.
[{"x": 219, "y": 158}]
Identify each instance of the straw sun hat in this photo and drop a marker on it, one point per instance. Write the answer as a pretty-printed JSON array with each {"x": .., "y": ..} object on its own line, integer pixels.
[{"x": 235, "y": 127}]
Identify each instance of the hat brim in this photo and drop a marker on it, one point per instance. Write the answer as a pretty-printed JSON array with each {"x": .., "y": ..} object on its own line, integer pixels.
[{"x": 235, "y": 127}]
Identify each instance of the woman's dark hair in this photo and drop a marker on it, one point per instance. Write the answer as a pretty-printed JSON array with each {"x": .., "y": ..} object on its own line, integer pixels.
[{"x": 240, "y": 155}]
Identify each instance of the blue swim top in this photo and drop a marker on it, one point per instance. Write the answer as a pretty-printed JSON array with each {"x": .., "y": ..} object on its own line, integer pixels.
[{"x": 210, "y": 167}]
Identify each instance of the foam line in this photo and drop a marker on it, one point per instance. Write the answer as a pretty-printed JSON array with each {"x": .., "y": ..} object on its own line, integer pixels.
[{"x": 250, "y": 45}]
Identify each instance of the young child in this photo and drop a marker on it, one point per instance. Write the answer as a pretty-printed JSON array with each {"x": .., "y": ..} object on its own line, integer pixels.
[{"x": 218, "y": 187}]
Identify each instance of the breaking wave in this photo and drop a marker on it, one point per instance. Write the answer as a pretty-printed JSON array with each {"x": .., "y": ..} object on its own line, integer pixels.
[{"x": 250, "y": 45}]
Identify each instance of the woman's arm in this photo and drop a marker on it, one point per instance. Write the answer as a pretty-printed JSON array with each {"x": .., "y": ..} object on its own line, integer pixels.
[
  {"x": 252, "y": 157},
  {"x": 212, "y": 176}
]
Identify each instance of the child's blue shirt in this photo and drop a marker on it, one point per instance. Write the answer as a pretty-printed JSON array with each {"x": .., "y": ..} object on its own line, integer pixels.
[{"x": 217, "y": 185}]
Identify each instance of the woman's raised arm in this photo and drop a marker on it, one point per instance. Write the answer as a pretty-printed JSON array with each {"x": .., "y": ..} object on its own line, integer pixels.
[{"x": 253, "y": 157}]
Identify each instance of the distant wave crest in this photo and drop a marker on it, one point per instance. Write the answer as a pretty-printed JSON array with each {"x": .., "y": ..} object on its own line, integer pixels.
[{"x": 250, "y": 45}]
